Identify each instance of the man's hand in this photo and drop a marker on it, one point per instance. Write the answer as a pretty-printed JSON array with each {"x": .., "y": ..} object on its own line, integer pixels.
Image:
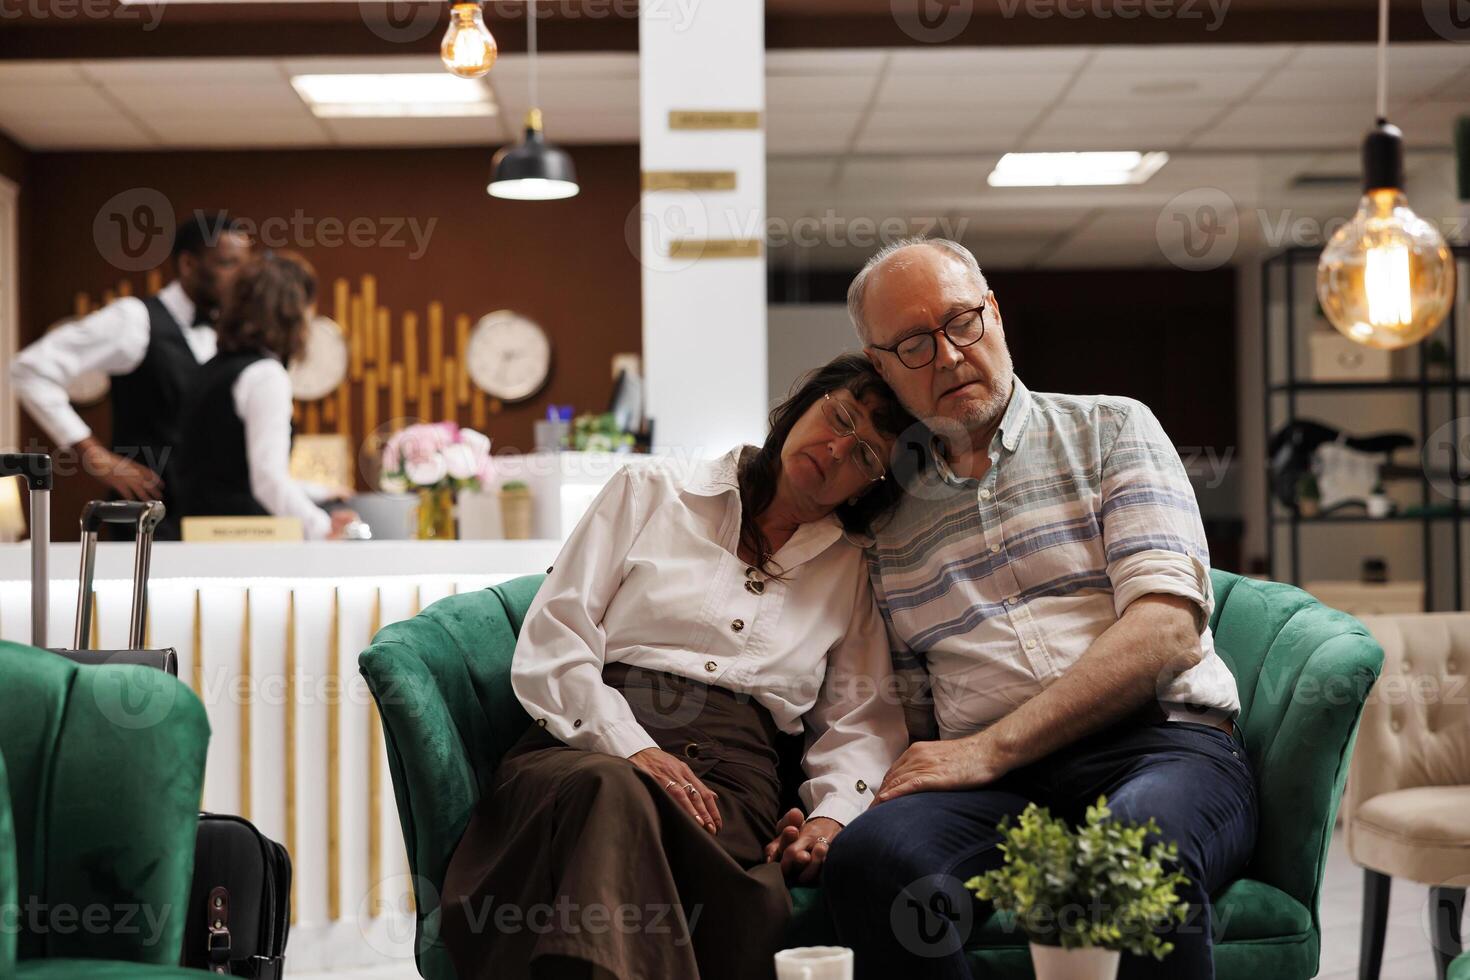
[
  {"x": 132, "y": 481},
  {"x": 679, "y": 781},
  {"x": 801, "y": 845},
  {"x": 961, "y": 763}
]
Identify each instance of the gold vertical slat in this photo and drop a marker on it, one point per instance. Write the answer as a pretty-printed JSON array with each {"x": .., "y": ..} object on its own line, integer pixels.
[
  {"x": 290, "y": 753},
  {"x": 461, "y": 354},
  {"x": 375, "y": 782},
  {"x": 385, "y": 341},
  {"x": 94, "y": 640},
  {"x": 370, "y": 320},
  {"x": 197, "y": 654},
  {"x": 247, "y": 695},
  {"x": 369, "y": 402},
  {"x": 334, "y": 801},
  {"x": 125, "y": 287},
  {"x": 411, "y": 352},
  {"x": 344, "y": 409},
  {"x": 477, "y": 408},
  {"x": 426, "y": 398},
  {"x": 357, "y": 337},
  {"x": 397, "y": 408},
  {"x": 80, "y": 304},
  {"x": 451, "y": 388},
  {"x": 436, "y": 359},
  {"x": 153, "y": 281}
]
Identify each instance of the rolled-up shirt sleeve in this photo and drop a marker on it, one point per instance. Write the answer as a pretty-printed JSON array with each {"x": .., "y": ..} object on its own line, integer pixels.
[
  {"x": 856, "y": 728},
  {"x": 1152, "y": 532},
  {"x": 557, "y": 669}
]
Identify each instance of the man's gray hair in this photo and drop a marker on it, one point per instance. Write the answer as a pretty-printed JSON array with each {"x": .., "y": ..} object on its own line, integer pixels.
[{"x": 859, "y": 287}]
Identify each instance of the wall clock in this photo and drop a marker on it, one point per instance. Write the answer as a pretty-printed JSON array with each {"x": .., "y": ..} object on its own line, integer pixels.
[
  {"x": 509, "y": 356},
  {"x": 322, "y": 365}
]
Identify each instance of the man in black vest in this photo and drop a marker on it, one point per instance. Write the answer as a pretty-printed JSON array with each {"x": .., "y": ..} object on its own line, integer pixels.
[{"x": 152, "y": 348}]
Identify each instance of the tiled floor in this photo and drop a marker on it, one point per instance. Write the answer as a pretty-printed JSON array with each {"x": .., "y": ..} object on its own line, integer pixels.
[{"x": 1406, "y": 955}]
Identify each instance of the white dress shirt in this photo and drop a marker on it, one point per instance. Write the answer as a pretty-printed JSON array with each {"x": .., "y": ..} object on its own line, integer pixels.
[
  {"x": 113, "y": 339},
  {"x": 650, "y": 578},
  {"x": 262, "y": 396}
]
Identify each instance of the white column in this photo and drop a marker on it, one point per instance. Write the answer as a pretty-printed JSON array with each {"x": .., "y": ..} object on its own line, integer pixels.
[{"x": 704, "y": 320}]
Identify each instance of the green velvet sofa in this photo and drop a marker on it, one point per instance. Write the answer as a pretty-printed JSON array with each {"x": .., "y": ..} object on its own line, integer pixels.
[
  {"x": 442, "y": 684},
  {"x": 101, "y": 770},
  {"x": 1460, "y": 968}
]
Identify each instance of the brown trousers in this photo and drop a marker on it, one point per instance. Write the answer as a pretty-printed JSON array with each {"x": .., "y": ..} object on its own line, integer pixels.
[{"x": 581, "y": 854}]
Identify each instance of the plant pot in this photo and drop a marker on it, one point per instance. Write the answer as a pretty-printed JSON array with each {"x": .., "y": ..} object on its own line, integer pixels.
[
  {"x": 436, "y": 514},
  {"x": 1088, "y": 963},
  {"x": 515, "y": 514}
]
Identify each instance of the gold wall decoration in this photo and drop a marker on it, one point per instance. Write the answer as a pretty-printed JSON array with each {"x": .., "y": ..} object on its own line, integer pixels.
[
  {"x": 289, "y": 753},
  {"x": 714, "y": 248},
  {"x": 247, "y": 697},
  {"x": 713, "y": 119},
  {"x": 689, "y": 180},
  {"x": 334, "y": 750}
]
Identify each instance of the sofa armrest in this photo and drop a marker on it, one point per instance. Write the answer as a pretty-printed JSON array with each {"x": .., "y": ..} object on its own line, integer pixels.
[
  {"x": 9, "y": 879},
  {"x": 433, "y": 779}
]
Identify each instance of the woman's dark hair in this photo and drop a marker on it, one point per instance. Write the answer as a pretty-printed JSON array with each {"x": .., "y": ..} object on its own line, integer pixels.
[
  {"x": 266, "y": 311},
  {"x": 759, "y": 468}
]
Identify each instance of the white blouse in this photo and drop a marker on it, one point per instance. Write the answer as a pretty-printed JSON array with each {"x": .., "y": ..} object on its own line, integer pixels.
[{"x": 650, "y": 578}]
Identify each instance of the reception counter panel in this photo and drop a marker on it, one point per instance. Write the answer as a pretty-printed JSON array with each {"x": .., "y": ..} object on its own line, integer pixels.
[{"x": 268, "y": 637}]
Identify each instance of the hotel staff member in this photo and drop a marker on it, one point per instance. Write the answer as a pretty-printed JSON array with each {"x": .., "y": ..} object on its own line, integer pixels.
[
  {"x": 152, "y": 348},
  {"x": 235, "y": 437}
]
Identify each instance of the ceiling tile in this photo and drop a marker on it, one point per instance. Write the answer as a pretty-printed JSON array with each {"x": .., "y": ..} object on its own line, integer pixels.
[
  {"x": 967, "y": 91},
  {"x": 275, "y": 98},
  {"x": 824, "y": 61},
  {"x": 568, "y": 93},
  {"x": 73, "y": 132},
  {"x": 24, "y": 73},
  {"x": 54, "y": 101},
  {"x": 1189, "y": 57},
  {"x": 1162, "y": 87},
  {"x": 1284, "y": 126},
  {"x": 1365, "y": 56},
  {"x": 383, "y": 65},
  {"x": 1348, "y": 85},
  {"x": 939, "y": 60},
  {"x": 1128, "y": 127},
  {"x": 196, "y": 72},
  {"x": 416, "y": 132},
  {"x": 814, "y": 91},
  {"x": 918, "y": 175},
  {"x": 244, "y": 132}
]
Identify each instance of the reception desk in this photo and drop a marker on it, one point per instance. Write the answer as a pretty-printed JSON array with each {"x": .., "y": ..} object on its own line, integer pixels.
[{"x": 268, "y": 636}]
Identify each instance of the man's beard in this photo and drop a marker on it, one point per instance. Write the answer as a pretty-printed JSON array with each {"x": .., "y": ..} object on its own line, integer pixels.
[{"x": 977, "y": 414}]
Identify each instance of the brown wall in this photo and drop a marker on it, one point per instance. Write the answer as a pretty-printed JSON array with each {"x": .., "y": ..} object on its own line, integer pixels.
[{"x": 566, "y": 264}]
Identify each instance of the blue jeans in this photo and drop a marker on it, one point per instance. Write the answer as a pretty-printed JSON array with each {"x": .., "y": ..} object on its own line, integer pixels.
[{"x": 894, "y": 877}]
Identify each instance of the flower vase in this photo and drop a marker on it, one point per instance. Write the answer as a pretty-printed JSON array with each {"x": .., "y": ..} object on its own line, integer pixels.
[
  {"x": 436, "y": 514},
  {"x": 1084, "y": 963}
]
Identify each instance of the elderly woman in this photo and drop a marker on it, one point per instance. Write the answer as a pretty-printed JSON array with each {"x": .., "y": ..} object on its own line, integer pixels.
[{"x": 633, "y": 831}]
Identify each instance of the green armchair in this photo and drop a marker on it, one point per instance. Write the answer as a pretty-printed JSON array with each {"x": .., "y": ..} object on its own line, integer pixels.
[
  {"x": 442, "y": 684},
  {"x": 101, "y": 770}
]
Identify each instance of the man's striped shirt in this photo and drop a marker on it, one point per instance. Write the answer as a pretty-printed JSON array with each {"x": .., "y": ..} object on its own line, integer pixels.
[{"x": 994, "y": 588}]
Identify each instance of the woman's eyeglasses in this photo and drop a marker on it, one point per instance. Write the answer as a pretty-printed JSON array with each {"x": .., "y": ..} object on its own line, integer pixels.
[
  {"x": 918, "y": 350},
  {"x": 841, "y": 422}
]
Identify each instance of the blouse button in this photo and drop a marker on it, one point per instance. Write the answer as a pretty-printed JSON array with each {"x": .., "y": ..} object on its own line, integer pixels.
[
  {"x": 548, "y": 569},
  {"x": 711, "y": 666},
  {"x": 984, "y": 494},
  {"x": 577, "y": 723},
  {"x": 862, "y": 787},
  {"x": 737, "y": 625},
  {"x": 541, "y": 722},
  {"x": 995, "y": 549}
]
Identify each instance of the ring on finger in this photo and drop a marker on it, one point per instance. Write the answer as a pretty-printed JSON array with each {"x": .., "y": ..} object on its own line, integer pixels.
[
  {"x": 669, "y": 784},
  {"x": 689, "y": 788},
  {"x": 821, "y": 840}
]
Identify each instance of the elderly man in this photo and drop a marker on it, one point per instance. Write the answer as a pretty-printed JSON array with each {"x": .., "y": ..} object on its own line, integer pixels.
[{"x": 1048, "y": 570}]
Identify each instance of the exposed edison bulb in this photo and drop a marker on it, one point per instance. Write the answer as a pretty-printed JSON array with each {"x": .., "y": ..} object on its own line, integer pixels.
[
  {"x": 468, "y": 50},
  {"x": 1386, "y": 279}
]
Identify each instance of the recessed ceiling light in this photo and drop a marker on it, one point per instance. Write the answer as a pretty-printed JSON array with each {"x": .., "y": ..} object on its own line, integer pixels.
[
  {"x": 1075, "y": 169},
  {"x": 408, "y": 94}
]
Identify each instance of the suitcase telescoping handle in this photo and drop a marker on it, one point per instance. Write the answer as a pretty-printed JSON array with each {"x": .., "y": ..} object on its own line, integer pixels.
[
  {"x": 145, "y": 514},
  {"x": 35, "y": 468}
]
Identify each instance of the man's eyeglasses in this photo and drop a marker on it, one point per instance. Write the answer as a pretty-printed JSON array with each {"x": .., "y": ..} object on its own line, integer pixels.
[
  {"x": 964, "y": 329},
  {"x": 841, "y": 422}
]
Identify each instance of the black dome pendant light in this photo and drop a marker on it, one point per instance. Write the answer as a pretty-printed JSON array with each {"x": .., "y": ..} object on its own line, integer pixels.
[{"x": 533, "y": 170}]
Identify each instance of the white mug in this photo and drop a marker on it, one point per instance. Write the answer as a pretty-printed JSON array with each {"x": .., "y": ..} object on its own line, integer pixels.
[{"x": 814, "y": 963}]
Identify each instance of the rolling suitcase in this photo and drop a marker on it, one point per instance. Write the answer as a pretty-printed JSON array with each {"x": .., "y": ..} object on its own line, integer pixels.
[
  {"x": 240, "y": 901},
  {"x": 35, "y": 469}
]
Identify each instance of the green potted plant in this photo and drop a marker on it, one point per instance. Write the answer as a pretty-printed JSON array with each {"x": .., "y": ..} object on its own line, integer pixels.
[
  {"x": 595, "y": 433},
  {"x": 1085, "y": 896}
]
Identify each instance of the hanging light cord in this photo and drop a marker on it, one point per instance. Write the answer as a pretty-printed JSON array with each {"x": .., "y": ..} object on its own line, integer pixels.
[
  {"x": 531, "y": 45},
  {"x": 1382, "y": 60}
]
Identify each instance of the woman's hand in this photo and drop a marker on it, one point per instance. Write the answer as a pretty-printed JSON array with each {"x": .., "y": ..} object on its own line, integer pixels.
[
  {"x": 340, "y": 520},
  {"x": 679, "y": 781},
  {"x": 801, "y": 845}
]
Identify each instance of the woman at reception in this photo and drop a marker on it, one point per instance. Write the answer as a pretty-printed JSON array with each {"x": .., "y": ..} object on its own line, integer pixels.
[
  {"x": 634, "y": 831},
  {"x": 235, "y": 451}
]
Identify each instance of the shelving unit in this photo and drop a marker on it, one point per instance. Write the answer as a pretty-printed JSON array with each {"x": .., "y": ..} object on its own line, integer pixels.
[{"x": 1288, "y": 298}]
